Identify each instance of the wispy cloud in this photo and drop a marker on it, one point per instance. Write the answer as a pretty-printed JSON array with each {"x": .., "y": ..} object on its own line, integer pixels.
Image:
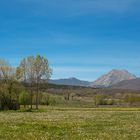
[
  {"x": 81, "y": 7},
  {"x": 70, "y": 8},
  {"x": 79, "y": 69},
  {"x": 87, "y": 73}
]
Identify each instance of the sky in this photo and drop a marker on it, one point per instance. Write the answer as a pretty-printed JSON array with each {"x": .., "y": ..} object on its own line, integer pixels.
[{"x": 80, "y": 38}]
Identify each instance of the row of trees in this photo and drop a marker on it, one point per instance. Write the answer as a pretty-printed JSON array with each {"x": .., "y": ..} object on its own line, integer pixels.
[
  {"x": 32, "y": 70},
  {"x": 127, "y": 99},
  {"x": 103, "y": 99},
  {"x": 132, "y": 99}
]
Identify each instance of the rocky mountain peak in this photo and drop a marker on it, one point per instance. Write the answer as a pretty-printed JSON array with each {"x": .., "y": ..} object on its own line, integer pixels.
[{"x": 113, "y": 77}]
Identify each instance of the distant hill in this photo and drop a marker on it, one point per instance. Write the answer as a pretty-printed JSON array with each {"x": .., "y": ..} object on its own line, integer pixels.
[
  {"x": 70, "y": 81},
  {"x": 133, "y": 84},
  {"x": 113, "y": 77}
]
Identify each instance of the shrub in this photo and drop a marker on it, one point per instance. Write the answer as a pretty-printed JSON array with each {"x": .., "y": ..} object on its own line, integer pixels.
[
  {"x": 48, "y": 99},
  {"x": 24, "y": 98}
]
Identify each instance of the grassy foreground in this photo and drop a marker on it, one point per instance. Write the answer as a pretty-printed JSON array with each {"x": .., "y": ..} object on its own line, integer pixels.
[{"x": 71, "y": 124}]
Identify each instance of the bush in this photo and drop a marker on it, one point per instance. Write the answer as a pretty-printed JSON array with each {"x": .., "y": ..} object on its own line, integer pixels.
[
  {"x": 24, "y": 98},
  {"x": 110, "y": 102},
  {"x": 99, "y": 99},
  {"x": 132, "y": 99},
  {"x": 48, "y": 99}
]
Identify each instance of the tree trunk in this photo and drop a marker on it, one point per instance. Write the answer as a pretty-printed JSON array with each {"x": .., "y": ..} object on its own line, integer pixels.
[
  {"x": 24, "y": 105},
  {"x": 68, "y": 96},
  {"x": 37, "y": 96},
  {"x": 31, "y": 102}
]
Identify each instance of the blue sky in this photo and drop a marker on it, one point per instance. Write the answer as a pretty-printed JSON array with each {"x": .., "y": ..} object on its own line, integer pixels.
[{"x": 80, "y": 38}]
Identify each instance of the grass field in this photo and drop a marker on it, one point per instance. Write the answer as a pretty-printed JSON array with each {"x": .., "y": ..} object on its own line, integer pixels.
[{"x": 71, "y": 124}]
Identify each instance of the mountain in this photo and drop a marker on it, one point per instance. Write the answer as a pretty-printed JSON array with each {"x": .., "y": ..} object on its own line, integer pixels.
[
  {"x": 133, "y": 84},
  {"x": 113, "y": 77},
  {"x": 70, "y": 81}
]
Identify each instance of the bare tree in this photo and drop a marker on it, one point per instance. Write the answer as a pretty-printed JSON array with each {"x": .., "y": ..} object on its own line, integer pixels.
[
  {"x": 25, "y": 73},
  {"x": 34, "y": 70}
]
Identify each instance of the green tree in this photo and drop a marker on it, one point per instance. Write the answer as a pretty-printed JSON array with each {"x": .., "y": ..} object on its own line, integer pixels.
[
  {"x": 24, "y": 98},
  {"x": 45, "y": 99},
  {"x": 132, "y": 98},
  {"x": 9, "y": 85},
  {"x": 99, "y": 99}
]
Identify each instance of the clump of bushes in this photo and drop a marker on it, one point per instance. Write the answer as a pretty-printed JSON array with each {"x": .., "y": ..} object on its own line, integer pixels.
[
  {"x": 132, "y": 99},
  {"x": 24, "y": 98},
  {"x": 48, "y": 99},
  {"x": 103, "y": 99}
]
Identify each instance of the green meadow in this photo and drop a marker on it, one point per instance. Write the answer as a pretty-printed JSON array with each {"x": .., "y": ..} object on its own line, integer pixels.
[{"x": 55, "y": 123}]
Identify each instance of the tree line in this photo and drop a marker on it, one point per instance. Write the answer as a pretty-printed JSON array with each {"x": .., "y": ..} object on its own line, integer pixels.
[{"x": 32, "y": 70}]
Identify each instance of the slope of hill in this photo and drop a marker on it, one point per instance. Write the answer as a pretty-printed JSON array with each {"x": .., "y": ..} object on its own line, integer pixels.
[
  {"x": 113, "y": 77},
  {"x": 70, "y": 81},
  {"x": 133, "y": 84}
]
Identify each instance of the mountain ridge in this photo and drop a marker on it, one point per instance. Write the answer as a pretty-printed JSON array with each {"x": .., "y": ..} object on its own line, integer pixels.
[
  {"x": 133, "y": 84},
  {"x": 107, "y": 80},
  {"x": 70, "y": 81}
]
